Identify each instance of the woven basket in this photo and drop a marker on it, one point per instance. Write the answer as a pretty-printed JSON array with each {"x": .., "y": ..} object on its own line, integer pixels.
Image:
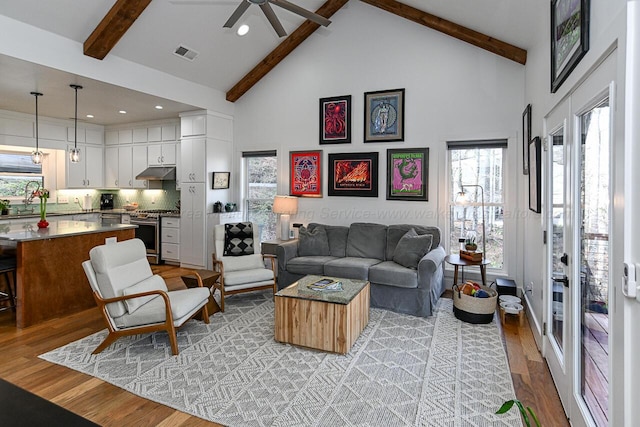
[{"x": 474, "y": 310}]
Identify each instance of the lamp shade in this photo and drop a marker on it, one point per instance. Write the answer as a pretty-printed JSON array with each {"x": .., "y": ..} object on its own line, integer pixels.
[{"x": 286, "y": 205}]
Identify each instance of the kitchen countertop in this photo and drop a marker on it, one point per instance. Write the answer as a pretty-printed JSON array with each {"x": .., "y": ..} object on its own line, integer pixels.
[
  {"x": 63, "y": 228},
  {"x": 36, "y": 214}
]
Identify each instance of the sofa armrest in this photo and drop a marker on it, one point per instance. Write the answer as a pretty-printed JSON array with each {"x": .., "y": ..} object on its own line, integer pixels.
[
  {"x": 286, "y": 251},
  {"x": 429, "y": 265}
]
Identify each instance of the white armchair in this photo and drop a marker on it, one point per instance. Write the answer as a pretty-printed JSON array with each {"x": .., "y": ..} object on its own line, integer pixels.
[
  {"x": 245, "y": 273},
  {"x": 132, "y": 299}
]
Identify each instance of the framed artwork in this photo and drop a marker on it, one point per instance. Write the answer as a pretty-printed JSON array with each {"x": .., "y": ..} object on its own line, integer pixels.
[
  {"x": 569, "y": 38},
  {"x": 407, "y": 174},
  {"x": 220, "y": 180},
  {"x": 335, "y": 120},
  {"x": 353, "y": 174},
  {"x": 535, "y": 177},
  {"x": 526, "y": 137},
  {"x": 384, "y": 116},
  {"x": 306, "y": 173}
]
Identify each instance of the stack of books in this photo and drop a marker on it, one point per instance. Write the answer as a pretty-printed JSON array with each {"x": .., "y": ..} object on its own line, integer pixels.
[
  {"x": 326, "y": 285},
  {"x": 471, "y": 255}
]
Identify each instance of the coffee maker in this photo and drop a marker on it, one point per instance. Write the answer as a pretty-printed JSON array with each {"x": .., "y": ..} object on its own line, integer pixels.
[{"x": 106, "y": 201}]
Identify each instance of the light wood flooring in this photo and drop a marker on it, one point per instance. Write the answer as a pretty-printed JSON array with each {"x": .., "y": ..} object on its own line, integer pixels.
[{"x": 109, "y": 405}]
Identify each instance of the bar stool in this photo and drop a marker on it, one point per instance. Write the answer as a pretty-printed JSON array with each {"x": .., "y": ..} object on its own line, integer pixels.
[{"x": 8, "y": 266}]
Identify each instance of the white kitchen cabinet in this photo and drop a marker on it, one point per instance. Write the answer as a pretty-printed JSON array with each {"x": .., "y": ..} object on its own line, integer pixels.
[
  {"x": 193, "y": 160},
  {"x": 111, "y": 167},
  {"x": 125, "y": 136},
  {"x": 125, "y": 167},
  {"x": 168, "y": 132},
  {"x": 193, "y": 225},
  {"x": 139, "y": 135},
  {"x": 138, "y": 165},
  {"x": 93, "y": 136},
  {"x": 193, "y": 125},
  {"x": 161, "y": 154},
  {"x": 154, "y": 134},
  {"x": 170, "y": 238},
  {"x": 71, "y": 135},
  {"x": 88, "y": 172},
  {"x": 111, "y": 137}
]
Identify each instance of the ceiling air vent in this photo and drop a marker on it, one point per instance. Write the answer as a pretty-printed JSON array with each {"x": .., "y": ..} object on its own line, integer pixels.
[{"x": 186, "y": 53}]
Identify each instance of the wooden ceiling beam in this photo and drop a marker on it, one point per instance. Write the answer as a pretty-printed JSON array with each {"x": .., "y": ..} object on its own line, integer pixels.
[
  {"x": 452, "y": 29},
  {"x": 113, "y": 26},
  {"x": 285, "y": 48}
]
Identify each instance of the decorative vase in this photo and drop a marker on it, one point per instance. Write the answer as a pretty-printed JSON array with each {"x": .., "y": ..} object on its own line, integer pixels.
[
  {"x": 471, "y": 247},
  {"x": 43, "y": 223}
]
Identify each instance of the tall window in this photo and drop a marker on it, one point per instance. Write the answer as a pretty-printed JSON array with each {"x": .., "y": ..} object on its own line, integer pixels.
[
  {"x": 261, "y": 187},
  {"x": 16, "y": 170},
  {"x": 478, "y": 167}
]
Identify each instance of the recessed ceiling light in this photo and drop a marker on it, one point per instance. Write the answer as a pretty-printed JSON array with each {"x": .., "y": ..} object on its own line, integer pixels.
[
  {"x": 158, "y": 107},
  {"x": 122, "y": 112},
  {"x": 90, "y": 116},
  {"x": 242, "y": 30}
]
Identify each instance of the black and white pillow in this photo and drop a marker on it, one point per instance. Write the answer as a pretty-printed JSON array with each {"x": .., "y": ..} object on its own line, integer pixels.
[{"x": 238, "y": 239}]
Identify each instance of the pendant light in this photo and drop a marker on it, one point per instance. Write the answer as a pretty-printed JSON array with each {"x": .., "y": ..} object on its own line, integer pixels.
[
  {"x": 74, "y": 153},
  {"x": 37, "y": 155}
]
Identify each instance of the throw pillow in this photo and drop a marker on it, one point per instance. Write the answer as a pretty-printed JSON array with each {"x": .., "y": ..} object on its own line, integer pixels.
[
  {"x": 411, "y": 248},
  {"x": 238, "y": 239},
  {"x": 313, "y": 241},
  {"x": 153, "y": 283}
]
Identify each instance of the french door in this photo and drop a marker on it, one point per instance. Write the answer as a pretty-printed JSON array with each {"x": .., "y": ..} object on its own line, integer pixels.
[{"x": 577, "y": 218}]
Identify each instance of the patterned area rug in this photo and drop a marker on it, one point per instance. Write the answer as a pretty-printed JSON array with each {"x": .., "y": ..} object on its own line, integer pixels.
[{"x": 402, "y": 371}]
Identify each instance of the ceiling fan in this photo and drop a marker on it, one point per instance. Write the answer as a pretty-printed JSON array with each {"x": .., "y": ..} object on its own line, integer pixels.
[{"x": 265, "y": 5}]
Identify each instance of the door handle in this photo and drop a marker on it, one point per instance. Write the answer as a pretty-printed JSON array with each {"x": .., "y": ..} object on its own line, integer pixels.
[{"x": 561, "y": 279}]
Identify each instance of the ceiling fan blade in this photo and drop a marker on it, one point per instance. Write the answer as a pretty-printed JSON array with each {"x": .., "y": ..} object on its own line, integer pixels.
[
  {"x": 321, "y": 20},
  {"x": 273, "y": 19},
  {"x": 237, "y": 14}
]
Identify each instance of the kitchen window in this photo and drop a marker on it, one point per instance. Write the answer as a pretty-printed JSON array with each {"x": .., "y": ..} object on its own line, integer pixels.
[
  {"x": 261, "y": 185},
  {"x": 476, "y": 164},
  {"x": 16, "y": 171}
]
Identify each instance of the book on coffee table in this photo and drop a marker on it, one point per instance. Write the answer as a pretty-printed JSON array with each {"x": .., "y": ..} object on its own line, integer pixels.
[{"x": 325, "y": 284}]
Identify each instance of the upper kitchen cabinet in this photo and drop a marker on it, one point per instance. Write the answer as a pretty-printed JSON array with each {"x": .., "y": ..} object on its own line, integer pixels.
[
  {"x": 140, "y": 135},
  {"x": 193, "y": 125},
  {"x": 122, "y": 164},
  {"x": 161, "y": 154},
  {"x": 88, "y": 172},
  {"x": 192, "y": 160}
]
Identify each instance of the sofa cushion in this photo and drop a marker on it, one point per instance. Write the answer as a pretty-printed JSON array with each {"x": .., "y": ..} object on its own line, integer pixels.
[
  {"x": 367, "y": 240},
  {"x": 337, "y": 236},
  {"x": 350, "y": 267},
  {"x": 390, "y": 273},
  {"x": 411, "y": 248},
  {"x": 313, "y": 241},
  {"x": 308, "y": 264},
  {"x": 238, "y": 239},
  {"x": 396, "y": 231},
  {"x": 153, "y": 283}
]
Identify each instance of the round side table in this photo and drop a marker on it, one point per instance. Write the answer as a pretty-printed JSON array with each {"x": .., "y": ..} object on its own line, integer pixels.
[{"x": 456, "y": 261}]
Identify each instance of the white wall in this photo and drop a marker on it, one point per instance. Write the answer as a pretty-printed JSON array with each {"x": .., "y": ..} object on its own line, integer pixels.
[{"x": 453, "y": 91}]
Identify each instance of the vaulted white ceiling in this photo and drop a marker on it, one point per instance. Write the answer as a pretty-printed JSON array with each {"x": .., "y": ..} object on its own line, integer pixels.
[{"x": 223, "y": 57}]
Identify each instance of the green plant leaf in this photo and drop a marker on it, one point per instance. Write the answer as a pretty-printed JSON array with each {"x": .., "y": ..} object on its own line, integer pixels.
[
  {"x": 505, "y": 407},
  {"x": 533, "y": 415}
]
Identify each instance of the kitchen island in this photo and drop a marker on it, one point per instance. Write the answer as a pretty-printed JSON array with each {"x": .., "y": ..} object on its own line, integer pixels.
[{"x": 50, "y": 280}]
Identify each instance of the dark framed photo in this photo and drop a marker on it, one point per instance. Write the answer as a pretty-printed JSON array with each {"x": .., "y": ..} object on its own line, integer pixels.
[
  {"x": 407, "y": 174},
  {"x": 220, "y": 180},
  {"x": 384, "y": 116},
  {"x": 526, "y": 137},
  {"x": 353, "y": 174},
  {"x": 569, "y": 38},
  {"x": 306, "y": 173},
  {"x": 335, "y": 120},
  {"x": 535, "y": 176}
]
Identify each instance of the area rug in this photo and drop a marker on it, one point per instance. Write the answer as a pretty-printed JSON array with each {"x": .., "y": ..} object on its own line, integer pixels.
[{"x": 402, "y": 371}]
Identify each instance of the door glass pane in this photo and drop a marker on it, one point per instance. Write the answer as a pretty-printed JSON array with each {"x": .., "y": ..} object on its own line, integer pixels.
[
  {"x": 262, "y": 186},
  {"x": 594, "y": 260},
  {"x": 557, "y": 236}
]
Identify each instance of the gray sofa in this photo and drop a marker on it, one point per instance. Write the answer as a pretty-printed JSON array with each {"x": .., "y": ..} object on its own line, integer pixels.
[{"x": 389, "y": 257}]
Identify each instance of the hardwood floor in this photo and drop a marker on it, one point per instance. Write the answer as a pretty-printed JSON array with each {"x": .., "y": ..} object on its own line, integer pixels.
[{"x": 109, "y": 405}]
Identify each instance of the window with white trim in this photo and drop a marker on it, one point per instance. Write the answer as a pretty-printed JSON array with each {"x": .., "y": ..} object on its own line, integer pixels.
[
  {"x": 261, "y": 185},
  {"x": 477, "y": 167}
]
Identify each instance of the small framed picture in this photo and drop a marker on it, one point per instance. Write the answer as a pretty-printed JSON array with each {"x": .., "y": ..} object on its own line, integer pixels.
[
  {"x": 535, "y": 177},
  {"x": 407, "y": 174},
  {"x": 526, "y": 137},
  {"x": 384, "y": 116},
  {"x": 569, "y": 38},
  {"x": 306, "y": 173},
  {"x": 353, "y": 174},
  {"x": 335, "y": 120},
  {"x": 220, "y": 180}
]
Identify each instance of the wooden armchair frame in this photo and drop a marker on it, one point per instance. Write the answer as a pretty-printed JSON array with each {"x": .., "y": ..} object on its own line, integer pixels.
[{"x": 218, "y": 266}]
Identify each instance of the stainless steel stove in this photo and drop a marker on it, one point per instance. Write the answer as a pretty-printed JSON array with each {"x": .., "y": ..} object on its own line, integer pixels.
[{"x": 148, "y": 222}]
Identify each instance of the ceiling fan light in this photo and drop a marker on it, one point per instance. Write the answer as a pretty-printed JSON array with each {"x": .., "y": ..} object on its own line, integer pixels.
[{"x": 242, "y": 30}]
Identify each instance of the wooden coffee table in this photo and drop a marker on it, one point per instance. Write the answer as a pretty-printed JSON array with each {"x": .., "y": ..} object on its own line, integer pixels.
[{"x": 329, "y": 321}]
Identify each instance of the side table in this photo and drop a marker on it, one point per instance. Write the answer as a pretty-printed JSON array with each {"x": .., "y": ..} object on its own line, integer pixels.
[
  {"x": 209, "y": 279},
  {"x": 268, "y": 247},
  {"x": 456, "y": 261}
]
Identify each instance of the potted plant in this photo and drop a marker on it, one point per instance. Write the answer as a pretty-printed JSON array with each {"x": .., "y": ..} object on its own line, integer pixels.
[
  {"x": 470, "y": 244},
  {"x": 4, "y": 206}
]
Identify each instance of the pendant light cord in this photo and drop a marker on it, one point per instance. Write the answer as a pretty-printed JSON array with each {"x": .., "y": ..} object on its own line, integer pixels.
[
  {"x": 36, "y": 94},
  {"x": 75, "y": 123}
]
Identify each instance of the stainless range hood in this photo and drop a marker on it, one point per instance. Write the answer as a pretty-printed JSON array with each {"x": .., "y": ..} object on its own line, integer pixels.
[{"x": 158, "y": 173}]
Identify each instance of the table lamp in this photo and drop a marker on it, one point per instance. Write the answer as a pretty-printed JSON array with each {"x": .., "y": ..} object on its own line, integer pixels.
[
  {"x": 463, "y": 199},
  {"x": 285, "y": 206}
]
